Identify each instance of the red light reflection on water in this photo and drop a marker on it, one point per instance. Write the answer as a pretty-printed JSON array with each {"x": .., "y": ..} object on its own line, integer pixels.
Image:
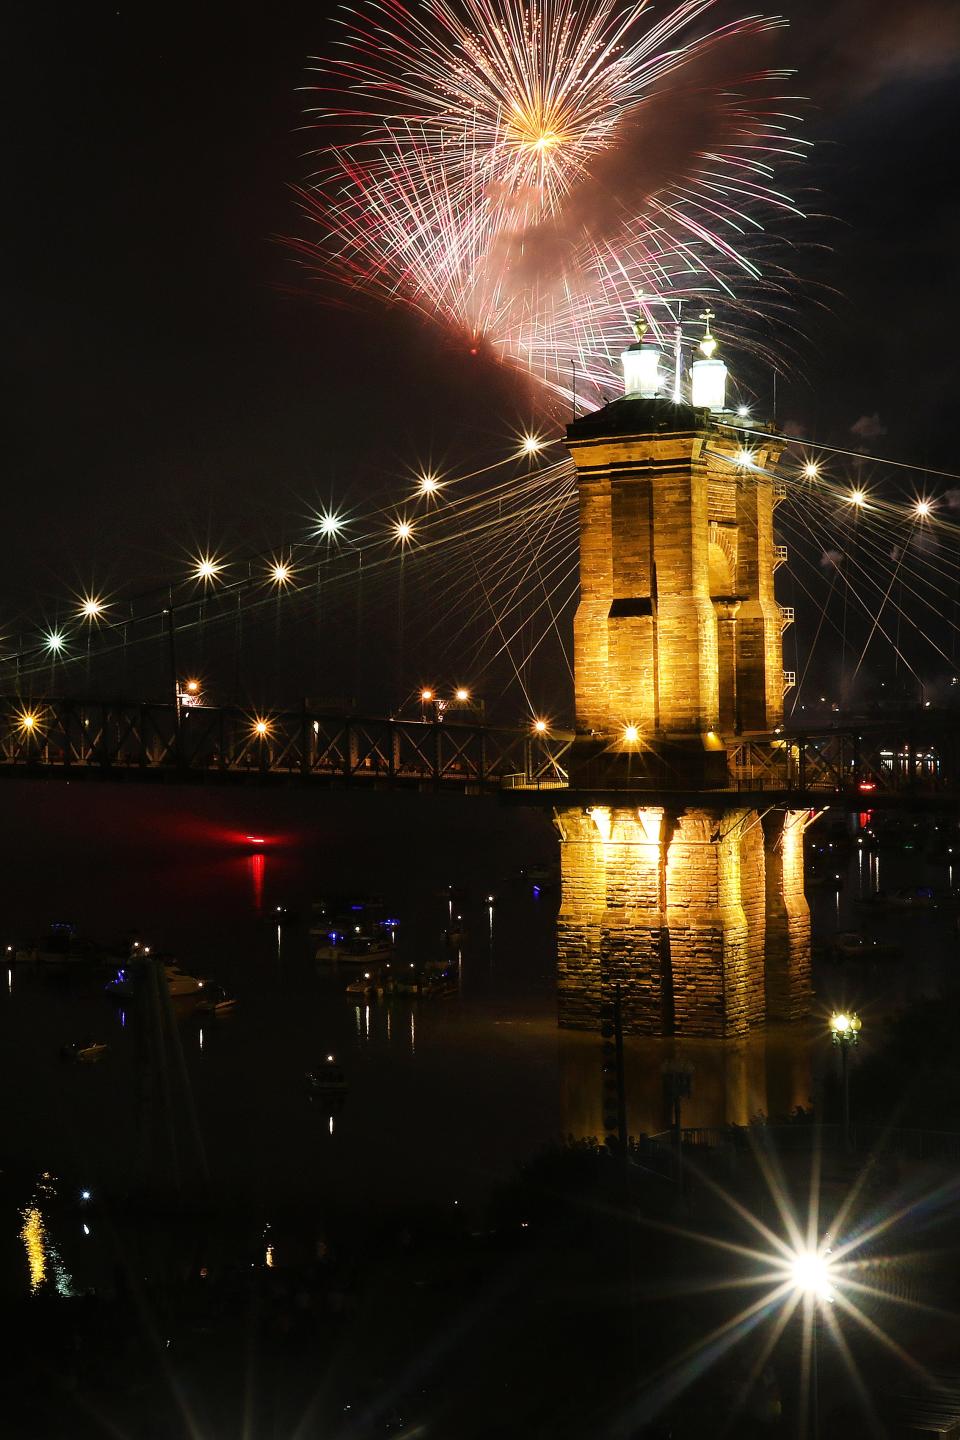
[{"x": 257, "y": 864}]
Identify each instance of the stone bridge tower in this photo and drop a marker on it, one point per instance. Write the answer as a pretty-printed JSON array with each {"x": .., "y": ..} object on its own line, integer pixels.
[{"x": 689, "y": 901}]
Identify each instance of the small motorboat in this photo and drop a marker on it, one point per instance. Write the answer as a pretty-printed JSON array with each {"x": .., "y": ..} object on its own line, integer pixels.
[
  {"x": 124, "y": 983},
  {"x": 327, "y": 1078},
  {"x": 214, "y": 1000},
  {"x": 86, "y": 1052},
  {"x": 59, "y": 949},
  {"x": 852, "y": 945},
  {"x": 364, "y": 984},
  {"x": 354, "y": 949}
]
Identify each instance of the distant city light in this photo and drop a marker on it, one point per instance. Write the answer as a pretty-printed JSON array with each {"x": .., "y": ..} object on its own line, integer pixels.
[
  {"x": 206, "y": 568},
  {"x": 54, "y": 641},
  {"x": 923, "y": 508},
  {"x": 811, "y": 470},
  {"x": 92, "y": 608},
  {"x": 402, "y": 531}
]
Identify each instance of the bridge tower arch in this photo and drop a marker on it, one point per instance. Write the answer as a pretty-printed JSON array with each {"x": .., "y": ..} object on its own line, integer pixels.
[{"x": 690, "y": 903}]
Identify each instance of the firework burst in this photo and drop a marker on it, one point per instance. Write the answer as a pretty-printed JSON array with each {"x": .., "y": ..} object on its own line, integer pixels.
[{"x": 512, "y": 169}]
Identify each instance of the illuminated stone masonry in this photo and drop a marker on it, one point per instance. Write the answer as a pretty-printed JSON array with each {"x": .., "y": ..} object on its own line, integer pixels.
[
  {"x": 698, "y": 915},
  {"x": 694, "y": 909}
]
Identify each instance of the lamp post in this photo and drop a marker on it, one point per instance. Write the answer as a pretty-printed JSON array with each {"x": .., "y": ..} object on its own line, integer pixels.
[
  {"x": 845, "y": 1029},
  {"x": 810, "y": 1276}
]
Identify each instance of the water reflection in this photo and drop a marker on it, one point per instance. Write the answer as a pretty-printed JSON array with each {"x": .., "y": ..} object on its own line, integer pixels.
[
  {"x": 257, "y": 864},
  {"x": 43, "y": 1258},
  {"x": 769, "y": 1073}
]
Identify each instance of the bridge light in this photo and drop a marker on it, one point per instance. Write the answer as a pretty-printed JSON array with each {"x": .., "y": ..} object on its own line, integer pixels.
[
  {"x": 281, "y": 573},
  {"x": 91, "y": 608},
  {"x": 54, "y": 641},
  {"x": 329, "y": 524},
  {"x": 743, "y": 411},
  {"x": 745, "y": 459},
  {"x": 631, "y": 734},
  {"x": 531, "y": 444},
  {"x": 858, "y": 498},
  {"x": 429, "y": 483},
  {"x": 426, "y": 696},
  {"x": 206, "y": 568},
  {"x": 540, "y": 727},
  {"x": 261, "y": 728},
  {"x": 28, "y": 721},
  {"x": 922, "y": 509},
  {"x": 462, "y": 694},
  {"x": 402, "y": 531},
  {"x": 811, "y": 470}
]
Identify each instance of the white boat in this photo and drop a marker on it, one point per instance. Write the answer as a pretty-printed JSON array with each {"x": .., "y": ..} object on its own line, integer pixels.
[{"x": 123, "y": 984}]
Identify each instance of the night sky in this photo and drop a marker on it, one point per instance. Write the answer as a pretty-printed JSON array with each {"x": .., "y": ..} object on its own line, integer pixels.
[{"x": 169, "y": 379}]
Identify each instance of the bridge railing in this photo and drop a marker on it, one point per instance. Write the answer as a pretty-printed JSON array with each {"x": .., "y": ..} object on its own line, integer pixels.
[{"x": 86, "y": 735}]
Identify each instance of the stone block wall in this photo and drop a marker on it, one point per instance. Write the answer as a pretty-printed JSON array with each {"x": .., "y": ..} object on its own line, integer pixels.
[{"x": 698, "y": 916}]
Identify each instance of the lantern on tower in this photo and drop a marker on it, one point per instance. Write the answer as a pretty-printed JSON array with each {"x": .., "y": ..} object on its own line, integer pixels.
[
  {"x": 641, "y": 364},
  {"x": 708, "y": 376}
]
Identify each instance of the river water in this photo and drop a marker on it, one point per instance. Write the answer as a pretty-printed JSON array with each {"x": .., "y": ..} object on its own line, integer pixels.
[{"x": 446, "y": 1096}]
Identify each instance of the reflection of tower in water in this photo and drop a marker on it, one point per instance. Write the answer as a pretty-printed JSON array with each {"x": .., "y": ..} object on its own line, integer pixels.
[{"x": 768, "y": 1072}]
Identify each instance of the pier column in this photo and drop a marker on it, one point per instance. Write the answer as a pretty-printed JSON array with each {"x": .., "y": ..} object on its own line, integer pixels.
[
  {"x": 672, "y": 908},
  {"x": 788, "y": 987}
]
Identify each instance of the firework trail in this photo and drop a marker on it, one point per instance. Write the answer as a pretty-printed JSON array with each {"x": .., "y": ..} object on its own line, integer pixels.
[{"x": 520, "y": 171}]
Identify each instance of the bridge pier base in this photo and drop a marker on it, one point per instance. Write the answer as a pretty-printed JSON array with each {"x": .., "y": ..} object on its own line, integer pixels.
[{"x": 697, "y": 914}]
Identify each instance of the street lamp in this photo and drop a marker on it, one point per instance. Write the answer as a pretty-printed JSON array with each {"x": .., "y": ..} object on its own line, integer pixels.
[
  {"x": 845, "y": 1029},
  {"x": 810, "y": 1275}
]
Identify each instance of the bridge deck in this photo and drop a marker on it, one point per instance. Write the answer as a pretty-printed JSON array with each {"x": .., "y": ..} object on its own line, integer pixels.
[{"x": 857, "y": 766}]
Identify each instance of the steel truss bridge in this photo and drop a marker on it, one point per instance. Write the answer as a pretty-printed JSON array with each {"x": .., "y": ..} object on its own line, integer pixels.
[{"x": 911, "y": 758}]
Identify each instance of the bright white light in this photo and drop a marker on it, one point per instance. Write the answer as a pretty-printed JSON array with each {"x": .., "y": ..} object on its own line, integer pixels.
[
  {"x": 708, "y": 383},
  {"x": 27, "y": 720},
  {"x": 857, "y": 498},
  {"x": 402, "y": 531},
  {"x": 743, "y": 411},
  {"x": 206, "y": 568},
  {"x": 330, "y": 524},
  {"x": 261, "y": 728},
  {"x": 280, "y": 573},
  {"x": 463, "y": 694},
  {"x": 923, "y": 508},
  {"x": 811, "y": 470},
  {"x": 810, "y": 1273},
  {"x": 429, "y": 484},
  {"x": 540, "y": 726},
  {"x": 631, "y": 734},
  {"x": 531, "y": 444},
  {"x": 92, "y": 608},
  {"x": 54, "y": 640},
  {"x": 744, "y": 458}
]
